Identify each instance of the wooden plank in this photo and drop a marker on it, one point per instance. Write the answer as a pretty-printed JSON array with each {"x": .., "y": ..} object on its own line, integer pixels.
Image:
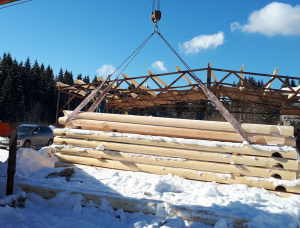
[
  {"x": 132, "y": 205},
  {"x": 295, "y": 93},
  {"x": 158, "y": 79},
  {"x": 270, "y": 83},
  {"x": 75, "y": 90},
  {"x": 185, "y": 173},
  {"x": 117, "y": 87},
  {"x": 286, "y": 131},
  {"x": 229, "y": 168},
  {"x": 84, "y": 85},
  {"x": 176, "y": 132},
  {"x": 138, "y": 85},
  {"x": 186, "y": 78},
  {"x": 167, "y": 142}
]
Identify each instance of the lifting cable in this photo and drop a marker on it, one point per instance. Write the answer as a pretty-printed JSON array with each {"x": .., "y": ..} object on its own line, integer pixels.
[
  {"x": 106, "y": 90},
  {"x": 134, "y": 54},
  {"x": 210, "y": 95},
  {"x": 19, "y": 3},
  {"x": 155, "y": 17}
]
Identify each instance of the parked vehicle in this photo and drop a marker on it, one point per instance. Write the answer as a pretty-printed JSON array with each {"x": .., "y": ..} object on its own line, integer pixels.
[{"x": 31, "y": 135}]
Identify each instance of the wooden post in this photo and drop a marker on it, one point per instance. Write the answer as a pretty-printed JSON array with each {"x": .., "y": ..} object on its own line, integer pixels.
[
  {"x": 57, "y": 109},
  {"x": 208, "y": 76},
  {"x": 10, "y": 130},
  {"x": 69, "y": 102},
  {"x": 242, "y": 76}
]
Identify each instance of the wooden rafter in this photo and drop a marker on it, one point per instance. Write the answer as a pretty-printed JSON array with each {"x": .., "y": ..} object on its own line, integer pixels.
[{"x": 125, "y": 97}]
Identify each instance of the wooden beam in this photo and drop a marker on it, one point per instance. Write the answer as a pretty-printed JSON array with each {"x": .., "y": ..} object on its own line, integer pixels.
[
  {"x": 295, "y": 93},
  {"x": 158, "y": 79},
  {"x": 242, "y": 76},
  {"x": 75, "y": 90},
  {"x": 84, "y": 85},
  {"x": 138, "y": 85},
  {"x": 272, "y": 79},
  {"x": 212, "y": 73},
  {"x": 186, "y": 78}
]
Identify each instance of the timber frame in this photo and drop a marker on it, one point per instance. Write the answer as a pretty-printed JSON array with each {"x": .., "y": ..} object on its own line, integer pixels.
[{"x": 129, "y": 94}]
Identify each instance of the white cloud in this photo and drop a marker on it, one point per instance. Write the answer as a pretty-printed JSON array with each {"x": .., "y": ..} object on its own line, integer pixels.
[
  {"x": 159, "y": 65},
  {"x": 201, "y": 42},
  {"x": 274, "y": 19},
  {"x": 105, "y": 70}
]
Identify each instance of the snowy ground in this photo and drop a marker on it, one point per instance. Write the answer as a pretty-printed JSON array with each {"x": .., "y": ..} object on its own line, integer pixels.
[{"x": 260, "y": 207}]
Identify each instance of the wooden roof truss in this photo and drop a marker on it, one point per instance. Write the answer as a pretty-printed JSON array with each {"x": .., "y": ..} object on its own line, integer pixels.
[{"x": 130, "y": 93}]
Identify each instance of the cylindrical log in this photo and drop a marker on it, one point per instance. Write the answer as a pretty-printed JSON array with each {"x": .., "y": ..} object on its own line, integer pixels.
[
  {"x": 166, "y": 142},
  {"x": 185, "y": 173},
  {"x": 206, "y": 159},
  {"x": 173, "y": 132},
  {"x": 185, "y": 123}
]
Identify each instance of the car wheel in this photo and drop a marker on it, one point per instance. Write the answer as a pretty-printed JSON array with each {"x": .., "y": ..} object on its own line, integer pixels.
[
  {"x": 27, "y": 144},
  {"x": 50, "y": 142}
]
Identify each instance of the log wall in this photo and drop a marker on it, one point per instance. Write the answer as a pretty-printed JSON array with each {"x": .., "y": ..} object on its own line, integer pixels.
[{"x": 199, "y": 150}]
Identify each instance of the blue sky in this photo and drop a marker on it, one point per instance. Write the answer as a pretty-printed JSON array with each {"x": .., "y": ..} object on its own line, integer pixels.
[{"x": 92, "y": 36}]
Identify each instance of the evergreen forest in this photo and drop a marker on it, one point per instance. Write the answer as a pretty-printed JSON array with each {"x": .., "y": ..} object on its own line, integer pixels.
[{"x": 28, "y": 93}]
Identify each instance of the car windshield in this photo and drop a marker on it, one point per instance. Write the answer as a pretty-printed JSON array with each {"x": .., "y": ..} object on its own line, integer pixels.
[{"x": 25, "y": 129}]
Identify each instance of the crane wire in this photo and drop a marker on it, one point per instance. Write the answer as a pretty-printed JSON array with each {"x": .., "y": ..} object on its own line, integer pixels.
[
  {"x": 152, "y": 3},
  {"x": 157, "y": 5},
  {"x": 211, "y": 96},
  {"x": 134, "y": 54},
  {"x": 19, "y": 3}
]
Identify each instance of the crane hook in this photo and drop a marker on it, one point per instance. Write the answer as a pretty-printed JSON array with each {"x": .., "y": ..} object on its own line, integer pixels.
[{"x": 155, "y": 15}]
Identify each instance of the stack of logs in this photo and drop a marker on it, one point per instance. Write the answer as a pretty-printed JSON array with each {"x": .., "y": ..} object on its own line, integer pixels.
[{"x": 192, "y": 149}]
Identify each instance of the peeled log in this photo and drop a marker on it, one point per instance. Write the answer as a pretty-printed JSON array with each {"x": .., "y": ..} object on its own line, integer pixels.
[
  {"x": 185, "y": 173},
  {"x": 231, "y": 164},
  {"x": 175, "y": 132},
  {"x": 199, "y": 145},
  {"x": 184, "y": 123}
]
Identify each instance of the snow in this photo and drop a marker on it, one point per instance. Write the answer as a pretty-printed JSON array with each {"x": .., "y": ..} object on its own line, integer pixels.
[{"x": 261, "y": 207}]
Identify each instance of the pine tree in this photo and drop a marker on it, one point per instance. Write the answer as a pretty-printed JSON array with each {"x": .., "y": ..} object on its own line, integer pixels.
[
  {"x": 286, "y": 83},
  {"x": 60, "y": 77},
  {"x": 68, "y": 78},
  {"x": 86, "y": 79},
  {"x": 293, "y": 83},
  {"x": 95, "y": 79},
  {"x": 79, "y": 76}
]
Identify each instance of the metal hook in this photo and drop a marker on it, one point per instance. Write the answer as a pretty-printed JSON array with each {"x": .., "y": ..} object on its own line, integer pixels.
[{"x": 155, "y": 28}]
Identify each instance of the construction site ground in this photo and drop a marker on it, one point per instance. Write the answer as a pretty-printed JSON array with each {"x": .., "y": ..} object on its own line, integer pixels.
[{"x": 95, "y": 197}]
